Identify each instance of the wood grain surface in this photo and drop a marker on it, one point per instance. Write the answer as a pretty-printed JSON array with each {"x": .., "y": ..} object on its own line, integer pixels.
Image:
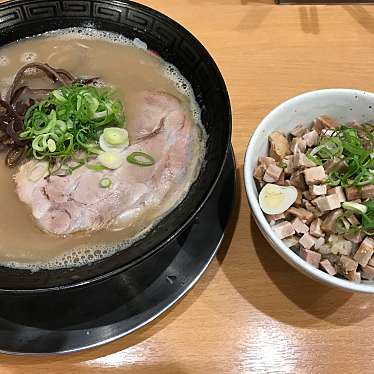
[{"x": 251, "y": 312}]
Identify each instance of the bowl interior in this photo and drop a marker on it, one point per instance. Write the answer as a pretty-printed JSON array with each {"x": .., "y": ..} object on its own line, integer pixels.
[{"x": 342, "y": 104}]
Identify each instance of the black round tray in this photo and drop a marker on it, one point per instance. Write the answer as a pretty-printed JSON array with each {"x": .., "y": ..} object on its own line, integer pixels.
[{"x": 85, "y": 317}]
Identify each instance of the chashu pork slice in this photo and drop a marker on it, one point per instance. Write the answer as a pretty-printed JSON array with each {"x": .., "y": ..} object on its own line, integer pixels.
[{"x": 66, "y": 204}]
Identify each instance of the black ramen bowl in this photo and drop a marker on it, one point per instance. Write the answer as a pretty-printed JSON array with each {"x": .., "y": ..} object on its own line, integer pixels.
[{"x": 24, "y": 18}]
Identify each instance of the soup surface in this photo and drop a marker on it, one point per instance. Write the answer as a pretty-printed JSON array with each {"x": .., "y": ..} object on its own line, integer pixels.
[{"x": 131, "y": 69}]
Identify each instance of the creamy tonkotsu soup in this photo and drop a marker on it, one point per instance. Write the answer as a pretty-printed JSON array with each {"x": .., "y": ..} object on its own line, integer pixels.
[{"x": 33, "y": 238}]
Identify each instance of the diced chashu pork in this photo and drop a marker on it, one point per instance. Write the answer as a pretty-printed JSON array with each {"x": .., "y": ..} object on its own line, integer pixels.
[
  {"x": 371, "y": 262},
  {"x": 318, "y": 189},
  {"x": 297, "y": 180},
  {"x": 345, "y": 223},
  {"x": 335, "y": 165},
  {"x": 353, "y": 220},
  {"x": 329, "y": 223},
  {"x": 367, "y": 191},
  {"x": 275, "y": 217},
  {"x": 299, "y": 131},
  {"x": 308, "y": 196},
  {"x": 259, "y": 172},
  {"x": 267, "y": 161},
  {"x": 315, "y": 228},
  {"x": 301, "y": 213},
  {"x": 354, "y": 125},
  {"x": 365, "y": 251},
  {"x": 291, "y": 241},
  {"x": 307, "y": 241},
  {"x": 314, "y": 175},
  {"x": 368, "y": 272},
  {"x": 337, "y": 191},
  {"x": 63, "y": 205},
  {"x": 354, "y": 193},
  {"x": 311, "y": 257},
  {"x": 279, "y": 146},
  {"x": 298, "y": 145},
  {"x": 272, "y": 173},
  {"x": 355, "y": 238},
  {"x": 354, "y": 276},
  {"x": 319, "y": 243},
  {"x": 326, "y": 203},
  {"x": 282, "y": 180},
  {"x": 263, "y": 164},
  {"x": 299, "y": 226},
  {"x": 325, "y": 250},
  {"x": 346, "y": 265},
  {"x": 290, "y": 167},
  {"x": 311, "y": 138},
  {"x": 301, "y": 161},
  {"x": 283, "y": 229},
  {"x": 299, "y": 199},
  {"x": 324, "y": 122},
  {"x": 328, "y": 267},
  {"x": 311, "y": 208}
]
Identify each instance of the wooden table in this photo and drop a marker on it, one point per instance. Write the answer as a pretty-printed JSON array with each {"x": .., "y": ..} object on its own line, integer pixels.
[{"x": 251, "y": 312}]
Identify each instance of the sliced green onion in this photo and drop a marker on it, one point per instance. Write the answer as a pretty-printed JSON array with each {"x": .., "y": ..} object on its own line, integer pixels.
[
  {"x": 114, "y": 139},
  {"x": 69, "y": 124},
  {"x": 61, "y": 125},
  {"x": 96, "y": 167},
  {"x": 99, "y": 115},
  {"x": 93, "y": 149},
  {"x": 116, "y": 136},
  {"x": 352, "y": 145},
  {"x": 58, "y": 95},
  {"x": 65, "y": 122},
  {"x": 105, "y": 182},
  {"x": 140, "y": 159},
  {"x": 355, "y": 207},
  {"x": 36, "y": 143},
  {"x": 111, "y": 160},
  {"x": 368, "y": 218},
  {"x": 51, "y": 145},
  {"x": 314, "y": 159}
]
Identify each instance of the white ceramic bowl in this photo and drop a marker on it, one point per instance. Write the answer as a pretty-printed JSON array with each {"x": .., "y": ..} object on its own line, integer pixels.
[{"x": 342, "y": 104}]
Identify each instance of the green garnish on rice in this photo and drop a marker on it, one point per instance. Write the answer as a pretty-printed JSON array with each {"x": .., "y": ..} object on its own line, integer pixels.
[{"x": 355, "y": 149}]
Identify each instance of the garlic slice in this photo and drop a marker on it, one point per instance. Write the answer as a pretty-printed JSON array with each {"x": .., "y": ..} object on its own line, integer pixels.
[{"x": 276, "y": 199}]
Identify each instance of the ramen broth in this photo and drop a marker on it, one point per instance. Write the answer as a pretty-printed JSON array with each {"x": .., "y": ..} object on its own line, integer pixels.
[{"x": 130, "y": 69}]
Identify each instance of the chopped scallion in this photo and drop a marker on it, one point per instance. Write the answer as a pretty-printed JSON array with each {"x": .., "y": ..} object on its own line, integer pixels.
[
  {"x": 140, "y": 159},
  {"x": 66, "y": 122},
  {"x": 355, "y": 207},
  {"x": 96, "y": 167},
  {"x": 355, "y": 147},
  {"x": 105, "y": 182},
  {"x": 110, "y": 160}
]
